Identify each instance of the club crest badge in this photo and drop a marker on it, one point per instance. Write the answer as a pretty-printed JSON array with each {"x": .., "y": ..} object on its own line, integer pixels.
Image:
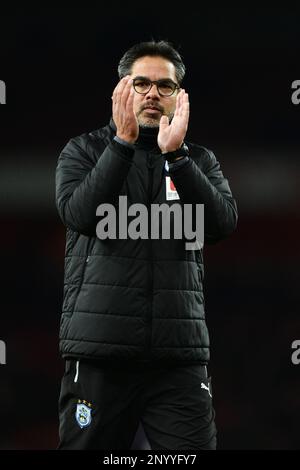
[{"x": 83, "y": 413}]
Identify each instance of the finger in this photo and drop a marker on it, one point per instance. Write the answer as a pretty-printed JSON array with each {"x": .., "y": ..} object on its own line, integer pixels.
[
  {"x": 117, "y": 93},
  {"x": 185, "y": 104},
  {"x": 118, "y": 86},
  {"x": 127, "y": 92},
  {"x": 164, "y": 122},
  {"x": 121, "y": 107},
  {"x": 183, "y": 100},
  {"x": 185, "y": 111},
  {"x": 130, "y": 98},
  {"x": 123, "y": 96},
  {"x": 123, "y": 81},
  {"x": 178, "y": 103}
]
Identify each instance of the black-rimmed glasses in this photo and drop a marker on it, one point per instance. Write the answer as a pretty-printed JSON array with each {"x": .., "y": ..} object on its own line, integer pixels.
[{"x": 165, "y": 87}]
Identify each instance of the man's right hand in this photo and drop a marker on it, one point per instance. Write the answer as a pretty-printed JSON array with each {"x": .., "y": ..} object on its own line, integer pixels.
[{"x": 122, "y": 111}]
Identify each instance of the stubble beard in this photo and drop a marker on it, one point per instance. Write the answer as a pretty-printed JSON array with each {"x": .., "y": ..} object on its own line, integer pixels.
[{"x": 146, "y": 123}]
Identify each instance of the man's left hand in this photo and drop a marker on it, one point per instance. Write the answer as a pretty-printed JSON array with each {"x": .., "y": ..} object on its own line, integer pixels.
[{"x": 171, "y": 136}]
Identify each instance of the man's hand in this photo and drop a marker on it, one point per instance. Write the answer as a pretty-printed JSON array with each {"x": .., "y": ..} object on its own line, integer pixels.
[
  {"x": 171, "y": 136},
  {"x": 122, "y": 111}
]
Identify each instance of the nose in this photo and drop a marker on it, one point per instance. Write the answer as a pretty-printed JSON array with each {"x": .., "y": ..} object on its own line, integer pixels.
[{"x": 152, "y": 93}]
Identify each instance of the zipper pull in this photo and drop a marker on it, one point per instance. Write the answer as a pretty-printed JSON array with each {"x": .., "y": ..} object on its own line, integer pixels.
[{"x": 150, "y": 161}]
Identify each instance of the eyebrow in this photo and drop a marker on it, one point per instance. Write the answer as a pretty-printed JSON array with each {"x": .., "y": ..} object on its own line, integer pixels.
[{"x": 159, "y": 80}]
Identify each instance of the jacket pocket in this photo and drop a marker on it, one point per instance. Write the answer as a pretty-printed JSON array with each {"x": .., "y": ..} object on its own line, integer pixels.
[{"x": 86, "y": 261}]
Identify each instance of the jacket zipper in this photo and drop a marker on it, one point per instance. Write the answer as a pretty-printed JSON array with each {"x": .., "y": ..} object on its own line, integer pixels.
[
  {"x": 199, "y": 261},
  {"x": 150, "y": 264},
  {"x": 76, "y": 372}
]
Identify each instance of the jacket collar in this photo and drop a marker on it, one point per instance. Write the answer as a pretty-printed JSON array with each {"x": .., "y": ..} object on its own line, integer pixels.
[{"x": 147, "y": 139}]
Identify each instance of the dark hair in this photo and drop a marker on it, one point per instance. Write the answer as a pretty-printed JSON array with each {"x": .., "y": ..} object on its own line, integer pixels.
[{"x": 152, "y": 48}]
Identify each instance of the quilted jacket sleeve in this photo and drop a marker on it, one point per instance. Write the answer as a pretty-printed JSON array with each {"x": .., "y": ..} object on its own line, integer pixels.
[
  {"x": 82, "y": 184},
  {"x": 201, "y": 181}
]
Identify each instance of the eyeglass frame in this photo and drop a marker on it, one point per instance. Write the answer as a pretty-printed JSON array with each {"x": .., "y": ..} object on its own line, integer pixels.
[{"x": 155, "y": 82}]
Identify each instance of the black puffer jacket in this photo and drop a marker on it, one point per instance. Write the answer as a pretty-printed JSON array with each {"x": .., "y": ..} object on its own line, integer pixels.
[{"x": 138, "y": 299}]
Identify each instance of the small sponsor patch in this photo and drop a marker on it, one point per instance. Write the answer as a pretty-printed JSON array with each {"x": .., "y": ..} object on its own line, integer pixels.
[
  {"x": 83, "y": 413},
  {"x": 171, "y": 192}
]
